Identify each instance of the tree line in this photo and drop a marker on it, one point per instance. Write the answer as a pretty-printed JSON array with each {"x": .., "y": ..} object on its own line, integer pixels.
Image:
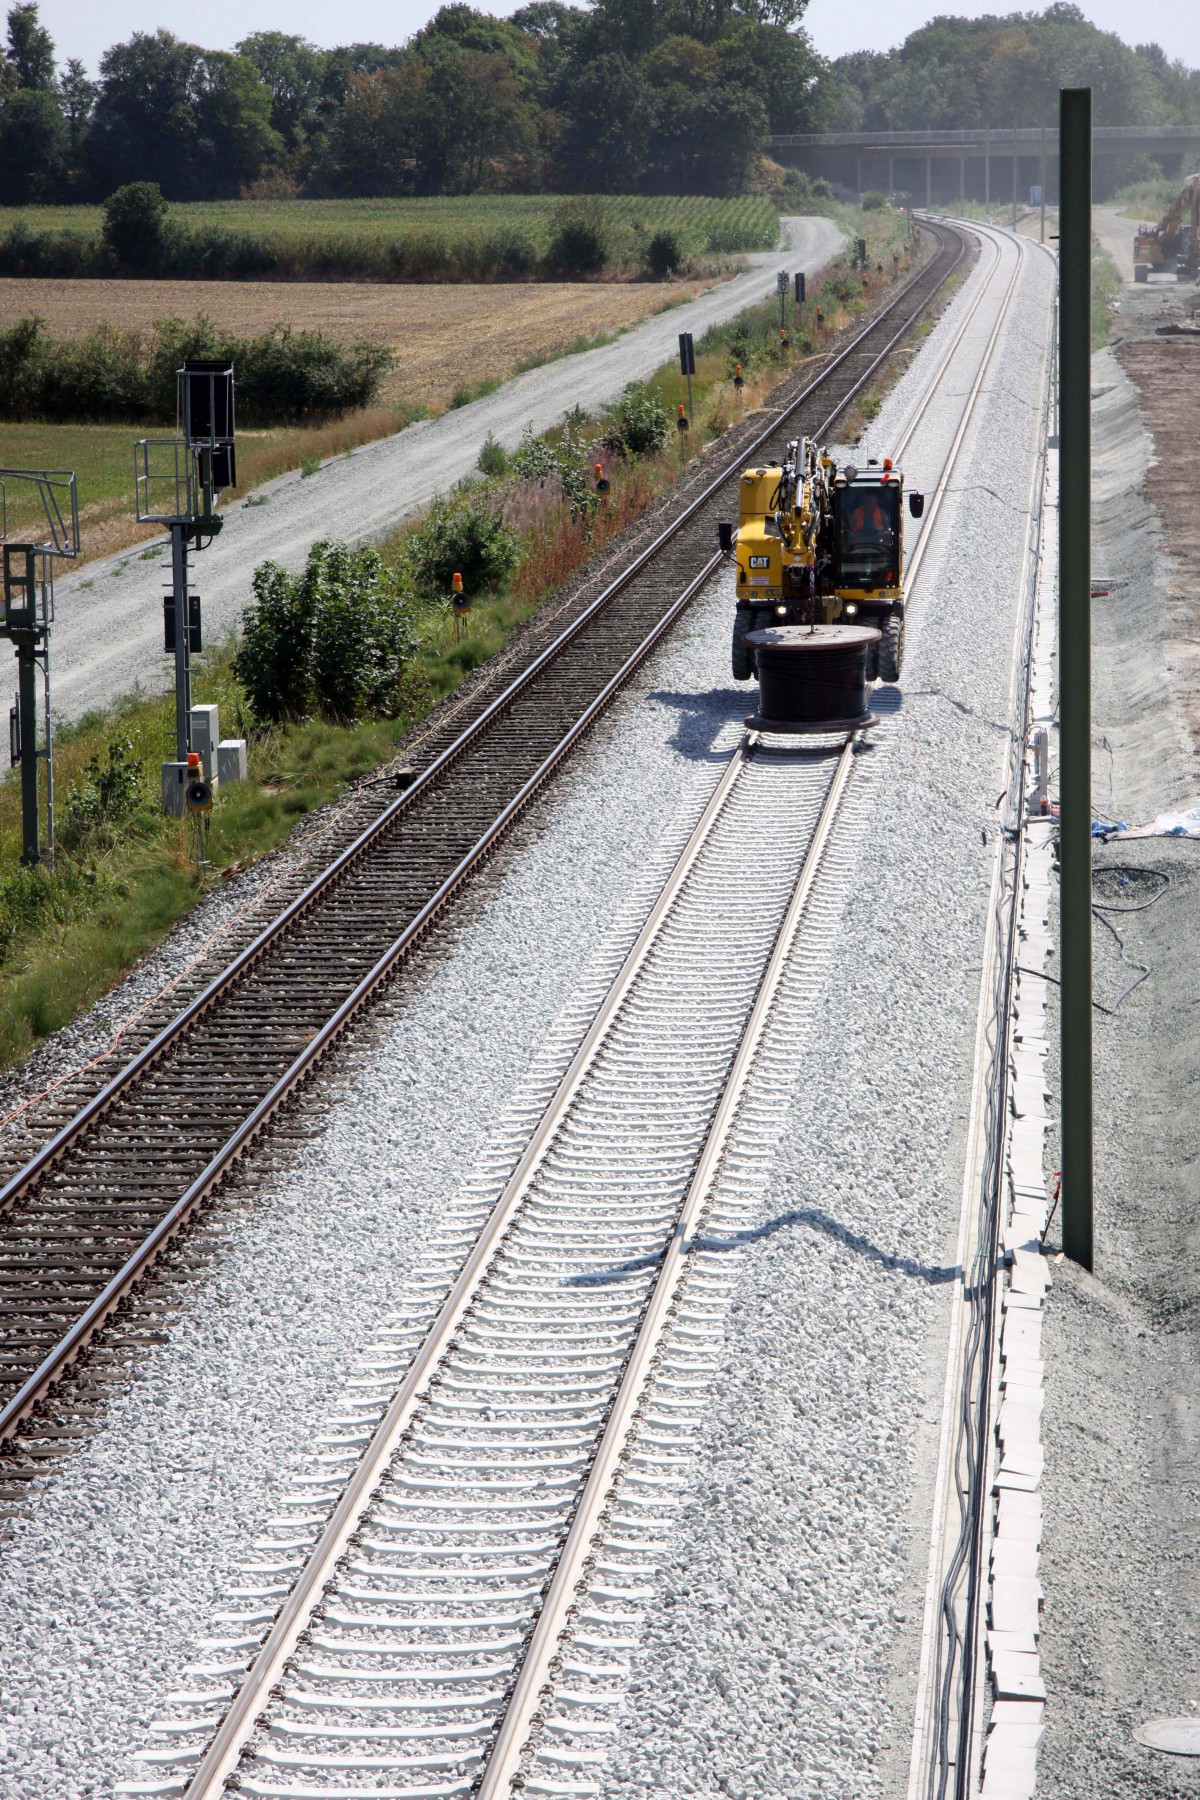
[
  {"x": 620, "y": 96},
  {"x": 1007, "y": 70},
  {"x": 667, "y": 96}
]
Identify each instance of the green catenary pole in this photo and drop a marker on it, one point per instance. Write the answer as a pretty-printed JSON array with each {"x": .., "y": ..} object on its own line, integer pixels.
[{"x": 1074, "y": 666}]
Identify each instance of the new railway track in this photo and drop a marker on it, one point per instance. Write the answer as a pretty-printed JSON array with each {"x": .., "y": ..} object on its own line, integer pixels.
[
  {"x": 95, "y": 1206},
  {"x": 445, "y": 1606}
]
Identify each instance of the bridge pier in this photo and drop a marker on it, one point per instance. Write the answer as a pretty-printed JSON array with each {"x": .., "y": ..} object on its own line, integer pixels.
[{"x": 1015, "y": 176}]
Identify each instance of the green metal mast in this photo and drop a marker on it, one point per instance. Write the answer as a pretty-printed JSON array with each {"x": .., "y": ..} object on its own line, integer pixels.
[{"x": 1074, "y": 665}]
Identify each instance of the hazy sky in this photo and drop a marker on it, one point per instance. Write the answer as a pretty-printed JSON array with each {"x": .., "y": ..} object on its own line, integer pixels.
[{"x": 86, "y": 30}]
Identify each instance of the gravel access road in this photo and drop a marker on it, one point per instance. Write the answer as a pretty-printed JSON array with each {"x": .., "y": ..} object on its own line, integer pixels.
[
  {"x": 108, "y": 632},
  {"x": 779, "y": 1644}
]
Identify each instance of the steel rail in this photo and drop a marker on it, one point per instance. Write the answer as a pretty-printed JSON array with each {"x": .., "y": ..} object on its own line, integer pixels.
[
  {"x": 946, "y": 1538},
  {"x": 909, "y": 431},
  {"x": 293, "y": 1618},
  {"x": 967, "y": 1565},
  {"x": 83, "y": 1329},
  {"x": 220, "y": 1759},
  {"x": 510, "y": 1743},
  {"x": 912, "y": 567},
  {"x": 53, "y": 1149}
]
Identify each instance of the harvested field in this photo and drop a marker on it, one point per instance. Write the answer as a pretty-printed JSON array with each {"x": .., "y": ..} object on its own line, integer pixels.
[{"x": 446, "y": 335}]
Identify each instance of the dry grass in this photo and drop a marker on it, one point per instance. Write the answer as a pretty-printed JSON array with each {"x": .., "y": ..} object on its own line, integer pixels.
[{"x": 445, "y": 334}]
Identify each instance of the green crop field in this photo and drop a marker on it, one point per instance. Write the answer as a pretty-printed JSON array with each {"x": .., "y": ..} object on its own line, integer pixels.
[{"x": 705, "y": 226}]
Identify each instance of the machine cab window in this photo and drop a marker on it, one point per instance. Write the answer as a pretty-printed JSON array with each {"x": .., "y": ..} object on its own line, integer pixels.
[{"x": 867, "y": 535}]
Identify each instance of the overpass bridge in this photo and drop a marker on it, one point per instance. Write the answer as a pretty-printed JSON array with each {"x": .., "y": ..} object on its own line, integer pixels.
[{"x": 993, "y": 163}]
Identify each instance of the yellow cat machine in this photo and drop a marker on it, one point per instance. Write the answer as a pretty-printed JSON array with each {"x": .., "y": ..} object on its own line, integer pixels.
[
  {"x": 1172, "y": 247},
  {"x": 816, "y": 544}
]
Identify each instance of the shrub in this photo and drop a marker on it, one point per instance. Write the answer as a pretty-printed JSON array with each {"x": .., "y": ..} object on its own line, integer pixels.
[
  {"x": 135, "y": 224},
  {"x": 106, "y": 793},
  {"x": 283, "y": 376},
  {"x": 664, "y": 254},
  {"x": 493, "y": 458},
  {"x": 272, "y": 661},
  {"x": 639, "y": 423},
  {"x": 21, "y": 352},
  {"x": 337, "y": 639},
  {"x": 874, "y": 200},
  {"x": 799, "y": 185},
  {"x": 462, "y": 535},
  {"x": 580, "y": 243},
  {"x": 536, "y": 459},
  {"x": 508, "y": 253}
]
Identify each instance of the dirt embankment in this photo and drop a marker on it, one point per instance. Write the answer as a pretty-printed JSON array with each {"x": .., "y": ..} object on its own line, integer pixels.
[
  {"x": 1121, "y": 1548},
  {"x": 1166, "y": 372}
]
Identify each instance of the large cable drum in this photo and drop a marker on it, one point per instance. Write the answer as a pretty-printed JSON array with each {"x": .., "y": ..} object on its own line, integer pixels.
[{"x": 813, "y": 678}]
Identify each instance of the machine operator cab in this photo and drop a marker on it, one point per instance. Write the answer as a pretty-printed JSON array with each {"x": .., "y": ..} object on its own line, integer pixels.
[
  {"x": 866, "y": 572},
  {"x": 867, "y": 535}
]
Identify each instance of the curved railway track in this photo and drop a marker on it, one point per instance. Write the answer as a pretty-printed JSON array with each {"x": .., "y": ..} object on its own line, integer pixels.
[
  {"x": 445, "y": 1607},
  {"x": 94, "y": 1208}
]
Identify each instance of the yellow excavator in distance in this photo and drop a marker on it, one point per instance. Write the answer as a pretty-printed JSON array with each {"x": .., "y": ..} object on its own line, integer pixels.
[
  {"x": 816, "y": 544},
  {"x": 1173, "y": 245}
]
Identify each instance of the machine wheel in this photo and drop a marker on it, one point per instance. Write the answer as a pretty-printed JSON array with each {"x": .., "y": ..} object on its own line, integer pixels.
[
  {"x": 872, "y": 662},
  {"x": 891, "y": 647},
  {"x": 743, "y": 655}
]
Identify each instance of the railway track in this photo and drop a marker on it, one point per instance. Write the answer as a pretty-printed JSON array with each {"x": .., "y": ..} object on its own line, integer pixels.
[
  {"x": 445, "y": 1606},
  {"x": 471, "y": 1492},
  {"x": 94, "y": 1208}
]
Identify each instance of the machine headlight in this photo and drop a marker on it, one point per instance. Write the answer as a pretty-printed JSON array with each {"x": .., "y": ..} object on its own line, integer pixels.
[
  {"x": 781, "y": 612},
  {"x": 851, "y": 609}
]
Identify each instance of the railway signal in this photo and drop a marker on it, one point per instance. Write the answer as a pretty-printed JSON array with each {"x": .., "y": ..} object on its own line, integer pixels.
[
  {"x": 459, "y": 602},
  {"x": 687, "y": 363},
  {"x": 177, "y": 483},
  {"x": 198, "y": 804},
  {"x": 26, "y": 616}
]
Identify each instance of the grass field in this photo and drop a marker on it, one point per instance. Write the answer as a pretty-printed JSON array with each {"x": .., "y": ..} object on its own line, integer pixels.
[
  {"x": 102, "y": 458},
  {"x": 446, "y": 230}
]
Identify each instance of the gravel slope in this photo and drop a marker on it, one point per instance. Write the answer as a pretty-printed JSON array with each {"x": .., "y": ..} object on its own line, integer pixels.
[
  {"x": 108, "y": 634},
  {"x": 767, "y": 1670}
]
